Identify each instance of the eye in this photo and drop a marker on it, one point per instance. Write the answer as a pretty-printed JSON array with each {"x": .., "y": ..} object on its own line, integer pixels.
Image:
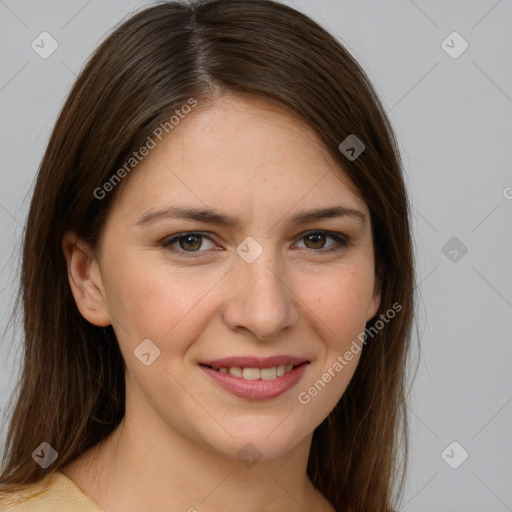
[
  {"x": 315, "y": 241},
  {"x": 187, "y": 242}
]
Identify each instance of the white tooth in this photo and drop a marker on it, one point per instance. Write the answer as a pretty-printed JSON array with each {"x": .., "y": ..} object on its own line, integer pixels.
[
  {"x": 280, "y": 370},
  {"x": 269, "y": 373},
  {"x": 236, "y": 371},
  {"x": 223, "y": 370},
  {"x": 288, "y": 367},
  {"x": 251, "y": 373}
]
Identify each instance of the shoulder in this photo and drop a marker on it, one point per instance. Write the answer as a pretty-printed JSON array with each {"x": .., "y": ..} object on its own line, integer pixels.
[{"x": 55, "y": 493}]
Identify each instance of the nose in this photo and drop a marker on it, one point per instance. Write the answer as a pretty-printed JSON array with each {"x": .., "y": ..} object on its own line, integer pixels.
[{"x": 261, "y": 298}]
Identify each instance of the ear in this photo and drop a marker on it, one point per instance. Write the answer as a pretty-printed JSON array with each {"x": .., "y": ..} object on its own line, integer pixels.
[
  {"x": 85, "y": 280},
  {"x": 376, "y": 299}
]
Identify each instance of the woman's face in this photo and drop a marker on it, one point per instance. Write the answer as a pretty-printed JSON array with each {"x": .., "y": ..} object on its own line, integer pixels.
[{"x": 255, "y": 287}]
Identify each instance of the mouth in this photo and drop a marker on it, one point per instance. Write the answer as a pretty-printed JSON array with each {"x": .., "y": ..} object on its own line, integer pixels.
[{"x": 256, "y": 378}]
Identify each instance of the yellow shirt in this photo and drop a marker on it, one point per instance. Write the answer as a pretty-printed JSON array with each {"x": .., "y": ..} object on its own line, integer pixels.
[{"x": 55, "y": 493}]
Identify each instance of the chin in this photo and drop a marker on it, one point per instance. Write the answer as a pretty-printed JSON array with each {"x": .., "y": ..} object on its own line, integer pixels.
[{"x": 264, "y": 438}]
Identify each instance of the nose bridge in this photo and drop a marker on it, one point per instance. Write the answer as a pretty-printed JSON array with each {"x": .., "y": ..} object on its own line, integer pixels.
[
  {"x": 262, "y": 301},
  {"x": 265, "y": 276}
]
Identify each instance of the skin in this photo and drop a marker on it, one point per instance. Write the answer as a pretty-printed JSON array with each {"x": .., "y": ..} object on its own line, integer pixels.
[{"x": 176, "y": 449}]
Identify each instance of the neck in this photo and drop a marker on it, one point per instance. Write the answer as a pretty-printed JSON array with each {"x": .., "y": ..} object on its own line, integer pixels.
[{"x": 144, "y": 465}]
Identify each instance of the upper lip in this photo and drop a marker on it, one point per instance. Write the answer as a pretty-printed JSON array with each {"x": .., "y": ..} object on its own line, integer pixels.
[{"x": 255, "y": 362}]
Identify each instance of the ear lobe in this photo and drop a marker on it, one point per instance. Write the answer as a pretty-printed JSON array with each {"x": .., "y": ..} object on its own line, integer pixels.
[
  {"x": 376, "y": 299},
  {"x": 85, "y": 280},
  {"x": 374, "y": 305}
]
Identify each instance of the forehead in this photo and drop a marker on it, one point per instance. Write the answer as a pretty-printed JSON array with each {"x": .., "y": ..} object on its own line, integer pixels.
[{"x": 244, "y": 153}]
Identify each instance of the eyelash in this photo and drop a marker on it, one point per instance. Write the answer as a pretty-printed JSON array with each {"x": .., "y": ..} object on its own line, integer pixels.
[{"x": 342, "y": 242}]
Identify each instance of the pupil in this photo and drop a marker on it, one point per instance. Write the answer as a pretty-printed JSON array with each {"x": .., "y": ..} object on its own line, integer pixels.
[
  {"x": 316, "y": 238},
  {"x": 189, "y": 239}
]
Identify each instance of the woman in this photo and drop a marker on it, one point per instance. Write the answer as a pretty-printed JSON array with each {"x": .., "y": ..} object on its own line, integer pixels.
[{"x": 217, "y": 277}]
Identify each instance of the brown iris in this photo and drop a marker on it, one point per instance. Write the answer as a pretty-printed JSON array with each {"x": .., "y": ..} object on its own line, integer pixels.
[
  {"x": 315, "y": 238},
  {"x": 189, "y": 241}
]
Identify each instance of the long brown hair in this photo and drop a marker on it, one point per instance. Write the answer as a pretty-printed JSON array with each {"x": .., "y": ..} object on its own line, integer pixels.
[{"x": 71, "y": 391}]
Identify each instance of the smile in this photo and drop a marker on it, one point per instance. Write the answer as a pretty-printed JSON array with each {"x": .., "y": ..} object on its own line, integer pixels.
[{"x": 254, "y": 378}]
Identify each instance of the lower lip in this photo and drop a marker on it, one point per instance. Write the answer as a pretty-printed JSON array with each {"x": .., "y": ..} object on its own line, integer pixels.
[{"x": 258, "y": 389}]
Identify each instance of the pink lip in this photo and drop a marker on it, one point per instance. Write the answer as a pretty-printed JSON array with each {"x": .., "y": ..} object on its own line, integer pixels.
[
  {"x": 258, "y": 389},
  {"x": 254, "y": 362}
]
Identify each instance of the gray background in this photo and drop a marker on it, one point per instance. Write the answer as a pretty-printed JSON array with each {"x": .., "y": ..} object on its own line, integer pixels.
[{"x": 453, "y": 119}]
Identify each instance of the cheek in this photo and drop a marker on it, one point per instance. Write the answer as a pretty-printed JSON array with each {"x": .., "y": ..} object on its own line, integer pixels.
[
  {"x": 340, "y": 308},
  {"x": 342, "y": 300},
  {"x": 149, "y": 299}
]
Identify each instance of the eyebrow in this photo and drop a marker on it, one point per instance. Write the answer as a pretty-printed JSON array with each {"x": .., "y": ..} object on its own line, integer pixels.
[{"x": 212, "y": 217}]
